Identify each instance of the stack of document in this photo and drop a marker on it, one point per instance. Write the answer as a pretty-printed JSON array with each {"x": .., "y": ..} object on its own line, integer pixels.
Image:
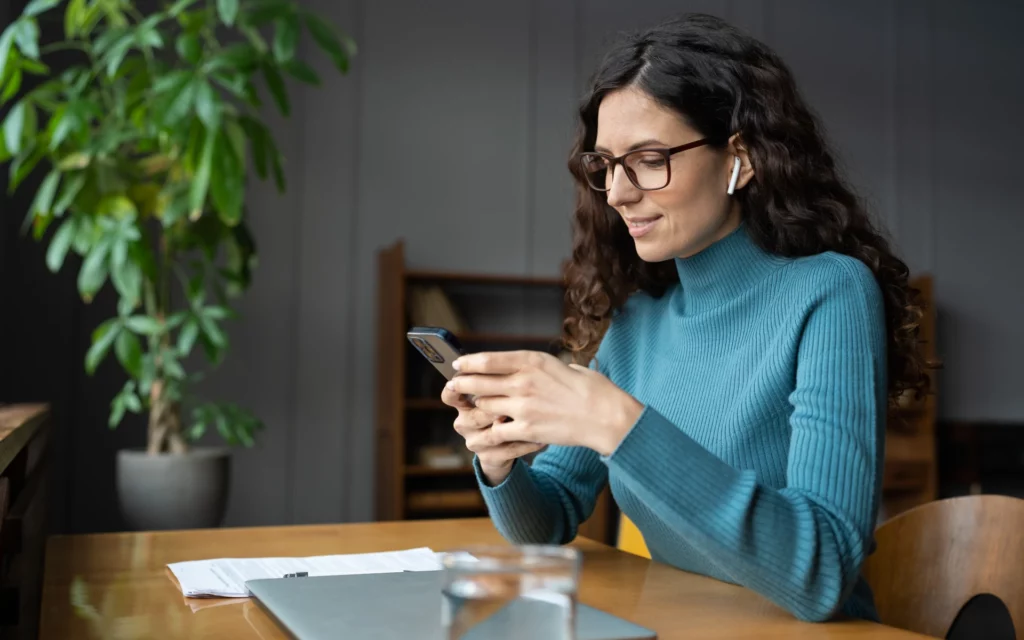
[{"x": 226, "y": 577}]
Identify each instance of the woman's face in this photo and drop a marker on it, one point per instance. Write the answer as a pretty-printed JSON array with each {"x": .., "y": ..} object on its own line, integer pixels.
[{"x": 694, "y": 210}]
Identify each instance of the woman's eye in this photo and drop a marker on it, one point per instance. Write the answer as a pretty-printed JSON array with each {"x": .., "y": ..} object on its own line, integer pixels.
[{"x": 653, "y": 163}]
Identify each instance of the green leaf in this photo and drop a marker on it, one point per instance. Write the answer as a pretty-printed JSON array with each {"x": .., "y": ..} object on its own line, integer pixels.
[
  {"x": 117, "y": 53},
  {"x": 286, "y": 36},
  {"x": 255, "y": 39},
  {"x": 73, "y": 16},
  {"x": 37, "y": 7},
  {"x": 24, "y": 164},
  {"x": 26, "y": 35},
  {"x": 102, "y": 44},
  {"x": 102, "y": 338},
  {"x": 196, "y": 431},
  {"x": 180, "y": 6},
  {"x": 129, "y": 352},
  {"x": 148, "y": 374},
  {"x": 116, "y": 411},
  {"x": 182, "y": 104},
  {"x": 70, "y": 188},
  {"x": 339, "y": 50},
  {"x": 34, "y": 67},
  {"x": 275, "y": 163},
  {"x": 240, "y": 56},
  {"x": 132, "y": 402},
  {"x": 145, "y": 325},
  {"x": 116, "y": 205},
  {"x": 6, "y": 40},
  {"x": 187, "y": 337},
  {"x": 255, "y": 131},
  {"x": 47, "y": 191},
  {"x": 63, "y": 122},
  {"x": 188, "y": 47},
  {"x": 172, "y": 367},
  {"x": 213, "y": 332},
  {"x": 127, "y": 279},
  {"x": 236, "y": 136},
  {"x": 93, "y": 273},
  {"x": 263, "y": 11},
  {"x": 276, "y": 84},
  {"x": 147, "y": 34},
  {"x": 13, "y": 85},
  {"x": 125, "y": 306},
  {"x": 172, "y": 83},
  {"x": 201, "y": 181},
  {"x": 226, "y": 183},
  {"x": 228, "y": 11},
  {"x": 176, "y": 319},
  {"x": 207, "y": 105},
  {"x": 13, "y": 126},
  {"x": 59, "y": 245},
  {"x": 217, "y": 312},
  {"x": 224, "y": 429},
  {"x": 301, "y": 71},
  {"x": 86, "y": 233}
]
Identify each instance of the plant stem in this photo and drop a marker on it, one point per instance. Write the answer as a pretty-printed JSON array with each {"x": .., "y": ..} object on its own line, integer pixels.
[{"x": 62, "y": 46}]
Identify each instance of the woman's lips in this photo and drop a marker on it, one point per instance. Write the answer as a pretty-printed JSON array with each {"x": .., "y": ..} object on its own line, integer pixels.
[{"x": 641, "y": 226}]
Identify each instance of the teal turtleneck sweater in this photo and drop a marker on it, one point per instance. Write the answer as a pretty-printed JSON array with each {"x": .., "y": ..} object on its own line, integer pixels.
[{"x": 757, "y": 458}]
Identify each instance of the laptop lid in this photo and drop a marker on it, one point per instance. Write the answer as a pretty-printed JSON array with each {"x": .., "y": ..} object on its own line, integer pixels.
[{"x": 391, "y": 606}]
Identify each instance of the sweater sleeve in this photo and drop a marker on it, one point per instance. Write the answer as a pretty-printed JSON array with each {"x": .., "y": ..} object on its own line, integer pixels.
[
  {"x": 800, "y": 546},
  {"x": 544, "y": 502}
]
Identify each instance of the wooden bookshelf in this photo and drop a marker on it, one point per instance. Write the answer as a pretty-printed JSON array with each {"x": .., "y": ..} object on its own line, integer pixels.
[
  {"x": 910, "y": 476},
  {"x": 410, "y": 414}
]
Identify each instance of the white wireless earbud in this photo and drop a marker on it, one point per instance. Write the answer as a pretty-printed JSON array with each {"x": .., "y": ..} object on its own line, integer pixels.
[{"x": 735, "y": 175}]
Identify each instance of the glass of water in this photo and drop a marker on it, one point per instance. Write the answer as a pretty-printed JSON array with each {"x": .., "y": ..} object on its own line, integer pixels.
[{"x": 510, "y": 592}]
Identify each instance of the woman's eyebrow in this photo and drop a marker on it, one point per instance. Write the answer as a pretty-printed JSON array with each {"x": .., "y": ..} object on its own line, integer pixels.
[{"x": 636, "y": 145}]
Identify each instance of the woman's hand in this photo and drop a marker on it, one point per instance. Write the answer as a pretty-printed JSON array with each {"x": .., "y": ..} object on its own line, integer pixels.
[
  {"x": 546, "y": 401},
  {"x": 496, "y": 455}
]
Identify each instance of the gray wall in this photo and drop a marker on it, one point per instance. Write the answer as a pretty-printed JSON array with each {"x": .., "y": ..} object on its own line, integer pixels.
[
  {"x": 921, "y": 99},
  {"x": 918, "y": 96}
]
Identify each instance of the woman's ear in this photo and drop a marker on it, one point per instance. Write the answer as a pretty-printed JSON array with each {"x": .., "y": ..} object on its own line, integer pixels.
[{"x": 746, "y": 170}]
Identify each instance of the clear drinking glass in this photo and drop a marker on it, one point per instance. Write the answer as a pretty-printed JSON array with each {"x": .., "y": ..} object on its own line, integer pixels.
[{"x": 510, "y": 593}]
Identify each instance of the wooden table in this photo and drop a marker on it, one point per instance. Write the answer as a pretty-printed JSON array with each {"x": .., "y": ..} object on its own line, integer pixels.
[
  {"x": 117, "y": 586},
  {"x": 24, "y": 438}
]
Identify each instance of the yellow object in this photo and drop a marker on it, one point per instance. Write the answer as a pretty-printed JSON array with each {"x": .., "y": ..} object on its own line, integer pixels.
[{"x": 630, "y": 538}]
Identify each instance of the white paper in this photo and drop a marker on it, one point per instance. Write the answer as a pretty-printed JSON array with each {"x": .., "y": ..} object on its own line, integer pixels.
[{"x": 226, "y": 577}]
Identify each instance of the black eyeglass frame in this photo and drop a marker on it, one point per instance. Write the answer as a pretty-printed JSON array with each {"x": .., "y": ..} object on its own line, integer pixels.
[{"x": 618, "y": 160}]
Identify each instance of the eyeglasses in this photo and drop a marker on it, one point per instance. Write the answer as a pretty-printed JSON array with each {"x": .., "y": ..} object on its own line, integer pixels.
[{"x": 647, "y": 169}]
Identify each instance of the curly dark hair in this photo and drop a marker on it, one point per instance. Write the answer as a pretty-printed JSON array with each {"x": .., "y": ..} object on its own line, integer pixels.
[{"x": 724, "y": 82}]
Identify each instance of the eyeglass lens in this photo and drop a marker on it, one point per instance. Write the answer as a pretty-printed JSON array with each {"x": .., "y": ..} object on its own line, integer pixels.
[{"x": 645, "y": 169}]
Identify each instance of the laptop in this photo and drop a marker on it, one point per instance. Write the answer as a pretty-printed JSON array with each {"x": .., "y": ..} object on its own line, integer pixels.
[{"x": 393, "y": 606}]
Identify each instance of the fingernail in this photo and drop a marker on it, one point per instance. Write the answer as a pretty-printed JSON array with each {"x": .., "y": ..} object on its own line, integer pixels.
[
  {"x": 450, "y": 386},
  {"x": 456, "y": 364}
]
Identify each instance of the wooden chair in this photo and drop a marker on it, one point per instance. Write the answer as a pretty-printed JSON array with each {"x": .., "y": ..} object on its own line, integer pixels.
[
  {"x": 933, "y": 559},
  {"x": 630, "y": 539}
]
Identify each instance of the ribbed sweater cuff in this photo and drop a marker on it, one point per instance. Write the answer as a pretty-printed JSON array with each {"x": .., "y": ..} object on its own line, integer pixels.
[
  {"x": 650, "y": 456},
  {"x": 515, "y": 505}
]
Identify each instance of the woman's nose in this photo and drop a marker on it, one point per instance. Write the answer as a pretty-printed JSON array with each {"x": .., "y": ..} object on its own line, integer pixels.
[{"x": 622, "y": 191}]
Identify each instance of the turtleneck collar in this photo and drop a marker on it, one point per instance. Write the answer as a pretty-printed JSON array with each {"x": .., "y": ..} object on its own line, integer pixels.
[{"x": 722, "y": 271}]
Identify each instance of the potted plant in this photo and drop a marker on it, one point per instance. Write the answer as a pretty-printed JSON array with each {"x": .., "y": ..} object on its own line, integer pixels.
[{"x": 143, "y": 141}]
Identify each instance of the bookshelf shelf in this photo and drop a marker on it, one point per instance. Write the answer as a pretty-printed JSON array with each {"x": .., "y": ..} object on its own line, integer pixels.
[
  {"x": 482, "y": 278},
  {"x": 505, "y": 311},
  {"x": 416, "y": 470}
]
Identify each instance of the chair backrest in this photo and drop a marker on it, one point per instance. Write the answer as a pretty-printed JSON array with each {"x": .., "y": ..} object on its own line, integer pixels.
[
  {"x": 630, "y": 539},
  {"x": 933, "y": 559}
]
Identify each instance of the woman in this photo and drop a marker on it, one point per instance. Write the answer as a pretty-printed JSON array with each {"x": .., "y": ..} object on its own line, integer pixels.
[{"x": 743, "y": 321}]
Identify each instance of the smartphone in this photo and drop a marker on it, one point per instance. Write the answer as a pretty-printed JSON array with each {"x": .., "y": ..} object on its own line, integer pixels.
[{"x": 438, "y": 345}]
